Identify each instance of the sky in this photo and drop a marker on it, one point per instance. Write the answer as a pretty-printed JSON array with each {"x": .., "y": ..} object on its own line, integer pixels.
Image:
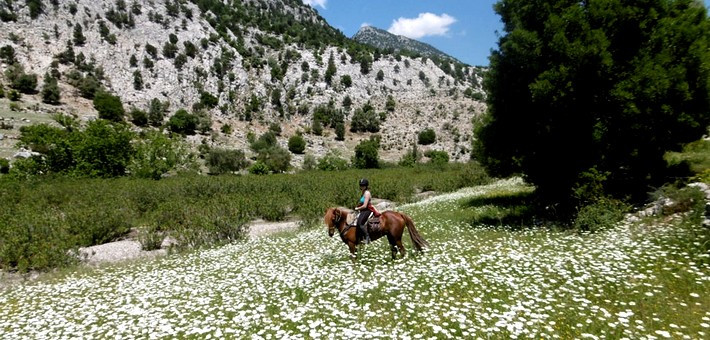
[{"x": 465, "y": 29}]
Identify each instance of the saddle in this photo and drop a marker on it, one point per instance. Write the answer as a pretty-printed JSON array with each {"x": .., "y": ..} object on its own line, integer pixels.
[{"x": 373, "y": 223}]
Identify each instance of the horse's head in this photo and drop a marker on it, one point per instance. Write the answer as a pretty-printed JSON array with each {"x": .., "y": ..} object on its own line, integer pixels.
[{"x": 333, "y": 217}]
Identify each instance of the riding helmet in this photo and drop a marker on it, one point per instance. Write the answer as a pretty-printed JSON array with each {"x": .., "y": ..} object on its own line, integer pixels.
[{"x": 364, "y": 182}]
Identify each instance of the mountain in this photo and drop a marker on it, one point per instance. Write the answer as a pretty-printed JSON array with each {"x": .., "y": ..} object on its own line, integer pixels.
[
  {"x": 247, "y": 64},
  {"x": 384, "y": 40}
]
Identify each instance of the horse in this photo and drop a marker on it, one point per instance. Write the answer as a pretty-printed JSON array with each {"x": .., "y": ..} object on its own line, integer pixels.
[{"x": 392, "y": 224}]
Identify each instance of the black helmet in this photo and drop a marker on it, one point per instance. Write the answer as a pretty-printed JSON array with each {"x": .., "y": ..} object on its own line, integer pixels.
[{"x": 364, "y": 182}]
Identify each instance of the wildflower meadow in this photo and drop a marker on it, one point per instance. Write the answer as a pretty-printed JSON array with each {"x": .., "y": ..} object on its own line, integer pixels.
[{"x": 475, "y": 281}]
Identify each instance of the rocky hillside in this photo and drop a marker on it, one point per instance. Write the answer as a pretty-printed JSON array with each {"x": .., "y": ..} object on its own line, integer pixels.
[
  {"x": 248, "y": 65},
  {"x": 384, "y": 40}
]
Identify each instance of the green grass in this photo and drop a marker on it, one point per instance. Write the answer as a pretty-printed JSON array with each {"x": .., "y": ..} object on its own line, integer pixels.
[
  {"x": 41, "y": 219},
  {"x": 476, "y": 280}
]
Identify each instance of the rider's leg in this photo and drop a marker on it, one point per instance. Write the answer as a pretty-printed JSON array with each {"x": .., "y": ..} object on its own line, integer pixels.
[{"x": 362, "y": 223}]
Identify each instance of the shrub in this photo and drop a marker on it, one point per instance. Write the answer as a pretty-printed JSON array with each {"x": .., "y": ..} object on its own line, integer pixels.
[
  {"x": 139, "y": 117},
  {"x": 426, "y": 137},
  {"x": 296, "y": 144},
  {"x": 346, "y": 80},
  {"x": 220, "y": 161},
  {"x": 14, "y": 95},
  {"x": 4, "y": 166},
  {"x": 226, "y": 129},
  {"x": 104, "y": 149},
  {"x": 317, "y": 127},
  {"x": 183, "y": 122},
  {"x": 365, "y": 121},
  {"x": 169, "y": 50},
  {"x": 380, "y": 75},
  {"x": 208, "y": 100},
  {"x": 340, "y": 131},
  {"x": 275, "y": 128},
  {"x": 259, "y": 168},
  {"x": 50, "y": 91},
  {"x": 137, "y": 80},
  {"x": 366, "y": 154},
  {"x": 276, "y": 158},
  {"x": 437, "y": 157},
  {"x": 157, "y": 154},
  {"x": 265, "y": 141},
  {"x": 156, "y": 114},
  {"x": 332, "y": 162},
  {"x": 309, "y": 162},
  {"x": 601, "y": 215},
  {"x": 108, "y": 106},
  {"x": 88, "y": 87}
]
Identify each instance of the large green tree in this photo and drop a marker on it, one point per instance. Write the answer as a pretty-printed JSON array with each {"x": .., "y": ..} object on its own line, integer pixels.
[{"x": 592, "y": 93}]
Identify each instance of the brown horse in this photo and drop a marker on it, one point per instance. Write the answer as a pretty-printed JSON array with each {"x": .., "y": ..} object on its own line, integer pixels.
[{"x": 392, "y": 225}]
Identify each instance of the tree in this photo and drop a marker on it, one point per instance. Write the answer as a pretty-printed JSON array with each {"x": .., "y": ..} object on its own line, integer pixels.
[
  {"x": 296, "y": 144},
  {"x": 50, "y": 90},
  {"x": 340, "y": 131},
  {"x": 366, "y": 154},
  {"x": 365, "y": 120},
  {"x": 390, "y": 104},
  {"x": 346, "y": 80},
  {"x": 380, "y": 75},
  {"x": 426, "y": 137},
  {"x": 582, "y": 91},
  {"x": 36, "y": 8},
  {"x": 183, "y": 122},
  {"x": 79, "y": 38},
  {"x": 109, "y": 106},
  {"x": 330, "y": 71},
  {"x": 156, "y": 113},
  {"x": 139, "y": 117},
  {"x": 137, "y": 80},
  {"x": 221, "y": 161}
]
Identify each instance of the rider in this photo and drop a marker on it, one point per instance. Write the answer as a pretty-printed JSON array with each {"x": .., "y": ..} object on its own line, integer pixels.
[{"x": 365, "y": 205}]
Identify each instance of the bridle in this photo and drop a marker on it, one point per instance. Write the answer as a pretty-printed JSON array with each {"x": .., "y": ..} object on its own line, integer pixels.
[{"x": 338, "y": 216}]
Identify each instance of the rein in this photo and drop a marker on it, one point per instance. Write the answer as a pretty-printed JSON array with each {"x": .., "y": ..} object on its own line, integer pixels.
[{"x": 338, "y": 218}]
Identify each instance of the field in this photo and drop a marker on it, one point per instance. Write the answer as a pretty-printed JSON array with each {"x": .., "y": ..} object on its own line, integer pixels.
[
  {"x": 634, "y": 281},
  {"x": 42, "y": 219}
]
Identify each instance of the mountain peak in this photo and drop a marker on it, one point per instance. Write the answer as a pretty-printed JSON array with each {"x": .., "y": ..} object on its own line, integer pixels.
[{"x": 379, "y": 38}]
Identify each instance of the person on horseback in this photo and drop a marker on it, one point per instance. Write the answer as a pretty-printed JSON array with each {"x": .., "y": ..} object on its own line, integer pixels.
[{"x": 365, "y": 208}]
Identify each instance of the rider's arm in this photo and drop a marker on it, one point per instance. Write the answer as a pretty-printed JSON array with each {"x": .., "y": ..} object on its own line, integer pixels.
[{"x": 366, "y": 203}]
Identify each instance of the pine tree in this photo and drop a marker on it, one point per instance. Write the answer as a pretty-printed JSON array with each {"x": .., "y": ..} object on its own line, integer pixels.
[{"x": 50, "y": 90}]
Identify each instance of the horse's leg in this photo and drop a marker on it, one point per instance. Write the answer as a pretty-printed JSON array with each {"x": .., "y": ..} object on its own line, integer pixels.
[
  {"x": 353, "y": 251},
  {"x": 401, "y": 247},
  {"x": 393, "y": 246}
]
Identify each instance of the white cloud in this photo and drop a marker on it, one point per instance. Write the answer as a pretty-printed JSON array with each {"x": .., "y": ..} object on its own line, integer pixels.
[
  {"x": 424, "y": 25},
  {"x": 314, "y": 3},
  {"x": 365, "y": 24}
]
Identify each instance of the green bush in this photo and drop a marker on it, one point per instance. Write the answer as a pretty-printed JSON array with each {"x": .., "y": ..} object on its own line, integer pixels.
[
  {"x": 437, "y": 157},
  {"x": 139, "y": 117},
  {"x": 259, "y": 168},
  {"x": 14, "y": 96},
  {"x": 426, "y": 137},
  {"x": 365, "y": 120},
  {"x": 265, "y": 141},
  {"x": 340, "y": 131},
  {"x": 88, "y": 87},
  {"x": 109, "y": 106},
  {"x": 332, "y": 162},
  {"x": 601, "y": 215},
  {"x": 276, "y": 158},
  {"x": 183, "y": 122},
  {"x": 221, "y": 161},
  {"x": 309, "y": 162},
  {"x": 4, "y": 166},
  {"x": 157, "y": 154},
  {"x": 366, "y": 154},
  {"x": 296, "y": 144},
  {"x": 50, "y": 91},
  {"x": 208, "y": 100},
  {"x": 346, "y": 81}
]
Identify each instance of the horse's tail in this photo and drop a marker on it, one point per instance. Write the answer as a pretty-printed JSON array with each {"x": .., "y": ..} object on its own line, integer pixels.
[{"x": 419, "y": 242}]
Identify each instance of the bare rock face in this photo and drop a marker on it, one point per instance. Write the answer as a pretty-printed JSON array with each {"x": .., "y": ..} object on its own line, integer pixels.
[{"x": 239, "y": 69}]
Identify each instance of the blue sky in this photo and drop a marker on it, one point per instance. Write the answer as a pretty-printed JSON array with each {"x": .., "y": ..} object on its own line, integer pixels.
[{"x": 464, "y": 29}]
